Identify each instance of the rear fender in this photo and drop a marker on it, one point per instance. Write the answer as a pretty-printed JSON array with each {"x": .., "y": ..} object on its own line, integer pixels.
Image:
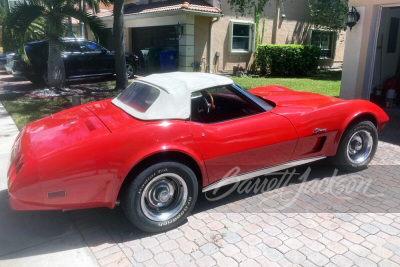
[{"x": 167, "y": 140}]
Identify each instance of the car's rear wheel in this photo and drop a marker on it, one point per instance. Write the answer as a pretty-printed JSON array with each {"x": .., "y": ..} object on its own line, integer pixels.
[
  {"x": 357, "y": 146},
  {"x": 160, "y": 197},
  {"x": 130, "y": 70}
]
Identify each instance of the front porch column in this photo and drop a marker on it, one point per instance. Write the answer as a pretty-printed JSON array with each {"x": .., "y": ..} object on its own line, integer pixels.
[
  {"x": 358, "y": 55},
  {"x": 186, "y": 45}
]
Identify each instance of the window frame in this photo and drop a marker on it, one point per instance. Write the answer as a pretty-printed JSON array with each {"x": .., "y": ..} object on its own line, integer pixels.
[
  {"x": 333, "y": 41},
  {"x": 239, "y": 92},
  {"x": 251, "y": 36},
  {"x": 72, "y": 43},
  {"x": 129, "y": 107}
]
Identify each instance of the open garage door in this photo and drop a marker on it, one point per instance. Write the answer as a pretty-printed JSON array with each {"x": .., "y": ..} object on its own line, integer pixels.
[
  {"x": 147, "y": 41},
  {"x": 386, "y": 73}
]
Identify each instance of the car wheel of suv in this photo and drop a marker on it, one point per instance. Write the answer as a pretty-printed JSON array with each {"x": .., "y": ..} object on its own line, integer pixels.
[
  {"x": 45, "y": 78},
  {"x": 160, "y": 197},
  {"x": 357, "y": 146},
  {"x": 36, "y": 80},
  {"x": 130, "y": 70}
]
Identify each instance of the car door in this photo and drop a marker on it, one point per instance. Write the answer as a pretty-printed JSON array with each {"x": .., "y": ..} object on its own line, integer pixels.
[
  {"x": 74, "y": 60},
  {"x": 244, "y": 142},
  {"x": 101, "y": 60}
]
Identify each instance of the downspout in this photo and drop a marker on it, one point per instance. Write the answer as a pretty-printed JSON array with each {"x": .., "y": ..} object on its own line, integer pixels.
[
  {"x": 210, "y": 45},
  {"x": 276, "y": 21}
]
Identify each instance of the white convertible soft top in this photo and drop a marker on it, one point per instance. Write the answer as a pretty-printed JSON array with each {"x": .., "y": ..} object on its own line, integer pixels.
[{"x": 174, "y": 99}]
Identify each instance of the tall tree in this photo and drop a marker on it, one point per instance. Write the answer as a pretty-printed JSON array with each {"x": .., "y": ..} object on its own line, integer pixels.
[
  {"x": 94, "y": 6},
  {"x": 5, "y": 34},
  {"x": 55, "y": 13},
  {"x": 70, "y": 31},
  {"x": 119, "y": 45},
  {"x": 329, "y": 14},
  {"x": 85, "y": 28}
]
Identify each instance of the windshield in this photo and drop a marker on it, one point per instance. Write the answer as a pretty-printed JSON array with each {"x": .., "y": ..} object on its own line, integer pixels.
[
  {"x": 139, "y": 96},
  {"x": 255, "y": 98}
]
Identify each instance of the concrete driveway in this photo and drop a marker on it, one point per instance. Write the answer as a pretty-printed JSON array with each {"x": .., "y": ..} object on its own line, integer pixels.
[{"x": 315, "y": 217}]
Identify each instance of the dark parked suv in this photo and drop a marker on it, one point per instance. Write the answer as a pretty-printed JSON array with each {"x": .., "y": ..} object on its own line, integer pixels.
[{"x": 82, "y": 58}]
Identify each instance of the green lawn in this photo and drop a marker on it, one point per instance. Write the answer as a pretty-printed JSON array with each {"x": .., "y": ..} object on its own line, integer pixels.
[
  {"x": 24, "y": 109},
  {"x": 325, "y": 83}
]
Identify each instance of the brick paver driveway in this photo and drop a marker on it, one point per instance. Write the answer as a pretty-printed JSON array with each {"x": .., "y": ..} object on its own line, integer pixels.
[
  {"x": 335, "y": 224},
  {"x": 310, "y": 217}
]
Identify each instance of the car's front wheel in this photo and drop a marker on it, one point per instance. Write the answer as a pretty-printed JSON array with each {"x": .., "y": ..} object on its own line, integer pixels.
[
  {"x": 160, "y": 197},
  {"x": 130, "y": 70},
  {"x": 357, "y": 146}
]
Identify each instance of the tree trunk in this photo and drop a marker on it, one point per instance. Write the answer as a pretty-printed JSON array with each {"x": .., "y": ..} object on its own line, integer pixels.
[
  {"x": 85, "y": 29},
  {"x": 93, "y": 8},
  {"x": 119, "y": 46},
  {"x": 55, "y": 66},
  {"x": 70, "y": 32},
  {"x": 80, "y": 23}
]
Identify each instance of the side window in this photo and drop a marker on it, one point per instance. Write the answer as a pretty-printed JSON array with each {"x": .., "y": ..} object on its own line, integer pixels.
[
  {"x": 72, "y": 47},
  {"x": 94, "y": 47},
  {"x": 324, "y": 40},
  {"x": 89, "y": 47},
  {"x": 241, "y": 36},
  {"x": 221, "y": 104}
]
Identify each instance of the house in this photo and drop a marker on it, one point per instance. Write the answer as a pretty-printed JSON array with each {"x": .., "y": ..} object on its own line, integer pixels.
[
  {"x": 372, "y": 53},
  {"x": 207, "y": 33}
]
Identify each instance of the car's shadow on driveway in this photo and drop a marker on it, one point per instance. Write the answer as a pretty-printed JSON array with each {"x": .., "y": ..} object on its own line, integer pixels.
[
  {"x": 391, "y": 131},
  {"x": 22, "y": 233}
]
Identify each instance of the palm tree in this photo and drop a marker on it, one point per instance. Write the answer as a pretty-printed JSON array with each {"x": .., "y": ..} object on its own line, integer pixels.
[
  {"x": 119, "y": 45},
  {"x": 55, "y": 14}
]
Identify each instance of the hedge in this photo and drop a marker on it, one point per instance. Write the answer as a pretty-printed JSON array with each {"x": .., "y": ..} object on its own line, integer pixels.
[{"x": 287, "y": 60}]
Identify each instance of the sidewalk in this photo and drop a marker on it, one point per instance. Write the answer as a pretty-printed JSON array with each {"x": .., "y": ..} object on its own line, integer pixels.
[
  {"x": 8, "y": 132},
  {"x": 35, "y": 238}
]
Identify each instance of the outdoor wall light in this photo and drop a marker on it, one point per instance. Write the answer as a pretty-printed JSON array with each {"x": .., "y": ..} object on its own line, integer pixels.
[
  {"x": 179, "y": 30},
  {"x": 352, "y": 17}
]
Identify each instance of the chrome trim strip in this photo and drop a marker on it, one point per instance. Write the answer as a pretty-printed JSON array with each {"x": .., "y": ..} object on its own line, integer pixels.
[
  {"x": 249, "y": 175},
  {"x": 88, "y": 75}
]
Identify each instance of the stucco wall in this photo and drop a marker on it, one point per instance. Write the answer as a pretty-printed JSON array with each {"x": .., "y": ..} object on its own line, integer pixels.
[
  {"x": 293, "y": 29},
  {"x": 227, "y": 60},
  {"x": 201, "y": 38}
]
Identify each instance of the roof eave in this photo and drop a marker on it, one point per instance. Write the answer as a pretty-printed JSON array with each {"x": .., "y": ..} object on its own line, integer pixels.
[{"x": 166, "y": 13}]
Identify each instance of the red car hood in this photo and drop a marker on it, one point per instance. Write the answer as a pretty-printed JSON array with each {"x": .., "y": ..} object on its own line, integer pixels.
[{"x": 284, "y": 97}]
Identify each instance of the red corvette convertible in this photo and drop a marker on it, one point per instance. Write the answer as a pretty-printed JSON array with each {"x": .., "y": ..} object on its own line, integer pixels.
[{"x": 168, "y": 136}]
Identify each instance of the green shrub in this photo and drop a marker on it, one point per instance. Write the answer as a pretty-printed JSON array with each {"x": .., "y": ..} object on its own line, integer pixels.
[{"x": 287, "y": 60}]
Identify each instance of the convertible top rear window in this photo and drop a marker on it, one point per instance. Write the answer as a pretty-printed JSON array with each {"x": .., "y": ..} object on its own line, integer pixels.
[{"x": 139, "y": 96}]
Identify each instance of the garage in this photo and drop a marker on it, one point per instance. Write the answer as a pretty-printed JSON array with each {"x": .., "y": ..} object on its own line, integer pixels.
[{"x": 148, "y": 42}]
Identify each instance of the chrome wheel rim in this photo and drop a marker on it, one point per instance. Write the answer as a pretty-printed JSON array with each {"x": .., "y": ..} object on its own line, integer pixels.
[
  {"x": 164, "y": 197},
  {"x": 129, "y": 70},
  {"x": 359, "y": 146}
]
